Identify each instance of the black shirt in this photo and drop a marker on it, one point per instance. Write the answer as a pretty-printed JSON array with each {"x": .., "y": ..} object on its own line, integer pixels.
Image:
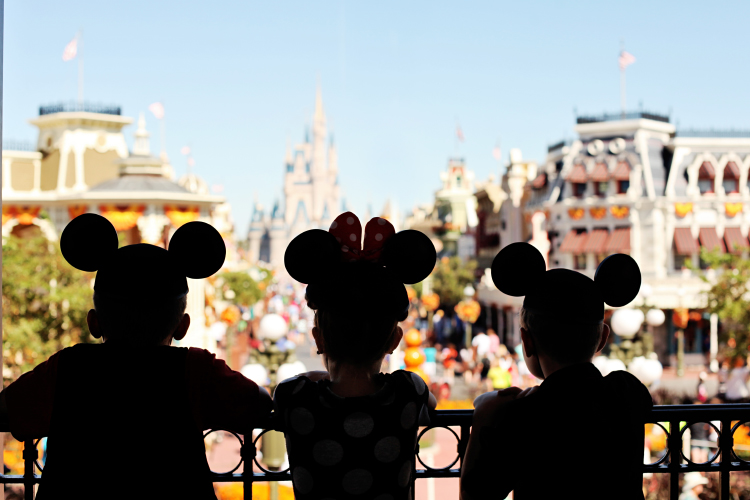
[{"x": 579, "y": 436}]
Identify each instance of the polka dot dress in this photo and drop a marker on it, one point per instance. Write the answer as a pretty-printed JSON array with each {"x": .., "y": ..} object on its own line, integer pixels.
[{"x": 361, "y": 447}]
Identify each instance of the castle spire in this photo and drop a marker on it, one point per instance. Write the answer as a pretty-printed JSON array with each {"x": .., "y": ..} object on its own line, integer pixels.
[{"x": 319, "y": 113}]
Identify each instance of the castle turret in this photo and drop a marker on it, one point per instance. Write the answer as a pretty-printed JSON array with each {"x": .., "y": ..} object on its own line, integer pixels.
[
  {"x": 277, "y": 235},
  {"x": 255, "y": 233}
]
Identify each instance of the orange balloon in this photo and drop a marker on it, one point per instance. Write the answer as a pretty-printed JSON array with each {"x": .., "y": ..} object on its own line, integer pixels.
[
  {"x": 413, "y": 338},
  {"x": 413, "y": 357}
]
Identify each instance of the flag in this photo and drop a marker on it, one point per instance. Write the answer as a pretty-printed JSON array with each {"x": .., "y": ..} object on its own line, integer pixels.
[
  {"x": 626, "y": 59},
  {"x": 459, "y": 133},
  {"x": 157, "y": 109},
  {"x": 185, "y": 150},
  {"x": 71, "y": 49},
  {"x": 496, "y": 153},
  {"x": 191, "y": 162}
]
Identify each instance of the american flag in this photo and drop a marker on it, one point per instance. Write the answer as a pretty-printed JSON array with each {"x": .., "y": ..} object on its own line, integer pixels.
[
  {"x": 626, "y": 59},
  {"x": 496, "y": 153},
  {"x": 185, "y": 150},
  {"x": 459, "y": 133},
  {"x": 157, "y": 109},
  {"x": 71, "y": 49}
]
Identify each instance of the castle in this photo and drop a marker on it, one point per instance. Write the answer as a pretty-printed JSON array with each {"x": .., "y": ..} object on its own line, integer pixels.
[{"x": 311, "y": 195}]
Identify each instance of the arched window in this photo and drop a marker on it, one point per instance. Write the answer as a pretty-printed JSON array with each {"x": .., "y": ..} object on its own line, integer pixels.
[
  {"x": 706, "y": 175},
  {"x": 621, "y": 175},
  {"x": 731, "y": 181}
]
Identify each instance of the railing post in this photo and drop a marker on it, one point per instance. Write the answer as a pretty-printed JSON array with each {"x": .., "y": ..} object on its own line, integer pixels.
[
  {"x": 726, "y": 443},
  {"x": 675, "y": 459},
  {"x": 248, "y": 456},
  {"x": 30, "y": 454}
]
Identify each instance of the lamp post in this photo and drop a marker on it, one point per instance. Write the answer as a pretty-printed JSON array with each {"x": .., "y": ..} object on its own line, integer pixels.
[
  {"x": 468, "y": 311},
  {"x": 681, "y": 334},
  {"x": 271, "y": 329},
  {"x": 626, "y": 323}
]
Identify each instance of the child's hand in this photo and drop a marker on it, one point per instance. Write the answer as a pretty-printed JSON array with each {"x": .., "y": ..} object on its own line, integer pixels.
[{"x": 487, "y": 404}]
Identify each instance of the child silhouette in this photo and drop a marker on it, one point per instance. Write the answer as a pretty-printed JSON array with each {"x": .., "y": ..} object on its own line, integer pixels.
[
  {"x": 351, "y": 431},
  {"x": 578, "y": 435},
  {"x": 124, "y": 418}
]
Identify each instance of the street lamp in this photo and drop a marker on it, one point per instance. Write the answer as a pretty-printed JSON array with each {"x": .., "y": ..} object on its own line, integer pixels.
[
  {"x": 627, "y": 323},
  {"x": 468, "y": 311}
]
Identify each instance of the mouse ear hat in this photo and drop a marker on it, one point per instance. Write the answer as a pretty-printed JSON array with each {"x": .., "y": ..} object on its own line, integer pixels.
[
  {"x": 90, "y": 243},
  {"x": 349, "y": 275},
  {"x": 519, "y": 270}
]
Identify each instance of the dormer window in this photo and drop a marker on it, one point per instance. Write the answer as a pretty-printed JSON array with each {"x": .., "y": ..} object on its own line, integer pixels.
[
  {"x": 621, "y": 176},
  {"x": 578, "y": 179},
  {"x": 600, "y": 177},
  {"x": 706, "y": 176},
  {"x": 731, "y": 181}
]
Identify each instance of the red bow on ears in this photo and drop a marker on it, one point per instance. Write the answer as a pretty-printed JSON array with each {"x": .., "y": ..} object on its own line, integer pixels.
[{"x": 348, "y": 230}]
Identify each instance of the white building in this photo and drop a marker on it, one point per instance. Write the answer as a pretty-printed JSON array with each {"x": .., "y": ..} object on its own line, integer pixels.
[{"x": 311, "y": 195}]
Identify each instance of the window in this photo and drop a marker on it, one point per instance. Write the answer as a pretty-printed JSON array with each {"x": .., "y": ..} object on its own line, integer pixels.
[
  {"x": 600, "y": 188},
  {"x": 706, "y": 175},
  {"x": 731, "y": 181},
  {"x": 579, "y": 261},
  {"x": 679, "y": 261},
  {"x": 600, "y": 257},
  {"x": 622, "y": 187},
  {"x": 579, "y": 189}
]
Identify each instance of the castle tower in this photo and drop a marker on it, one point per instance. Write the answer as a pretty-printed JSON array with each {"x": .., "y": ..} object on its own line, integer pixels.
[
  {"x": 255, "y": 234},
  {"x": 278, "y": 235}
]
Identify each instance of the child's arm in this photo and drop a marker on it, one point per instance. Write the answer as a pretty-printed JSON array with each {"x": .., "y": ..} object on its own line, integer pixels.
[{"x": 480, "y": 464}]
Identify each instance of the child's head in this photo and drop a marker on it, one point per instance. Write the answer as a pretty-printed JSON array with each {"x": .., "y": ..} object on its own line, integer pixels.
[
  {"x": 140, "y": 292},
  {"x": 357, "y": 292},
  {"x": 563, "y": 310}
]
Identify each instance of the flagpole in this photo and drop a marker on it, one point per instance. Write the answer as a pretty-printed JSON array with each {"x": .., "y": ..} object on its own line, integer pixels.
[
  {"x": 80, "y": 68},
  {"x": 622, "y": 91}
]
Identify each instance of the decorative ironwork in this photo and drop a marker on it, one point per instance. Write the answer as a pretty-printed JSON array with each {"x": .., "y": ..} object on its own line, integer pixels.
[
  {"x": 731, "y": 133},
  {"x": 71, "y": 107},
  {"x": 16, "y": 145},
  {"x": 678, "y": 417},
  {"x": 632, "y": 115}
]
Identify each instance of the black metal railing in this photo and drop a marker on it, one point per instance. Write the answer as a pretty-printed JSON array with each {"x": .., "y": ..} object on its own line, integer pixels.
[
  {"x": 678, "y": 418},
  {"x": 630, "y": 115},
  {"x": 73, "y": 106},
  {"x": 714, "y": 133}
]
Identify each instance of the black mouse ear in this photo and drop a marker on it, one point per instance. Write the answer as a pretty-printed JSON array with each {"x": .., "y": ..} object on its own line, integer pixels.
[
  {"x": 618, "y": 279},
  {"x": 517, "y": 269},
  {"x": 311, "y": 255},
  {"x": 409, "y": 255},
  {"x": 198, "y": 249},
  {"x": 87, "y": 241}
]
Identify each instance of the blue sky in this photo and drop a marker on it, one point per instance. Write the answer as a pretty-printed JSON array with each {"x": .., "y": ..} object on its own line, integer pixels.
[{"x": 238, "y": 79}]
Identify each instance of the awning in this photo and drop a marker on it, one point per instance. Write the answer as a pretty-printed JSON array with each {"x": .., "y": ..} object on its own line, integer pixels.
[
  {"x": 573, "y": 242},
  {"x": 734, "y": 240},
  {"x": 706, "y": 171},
  {"x": 710, "y": 240},
  {"x": 600, "y": 173},
  {"x": 734, "y": 170},
  {"x": 622, "y": 172},
  {"x": 619, "y": 242},
  {"x": 684, "y": 241},
  {"x": 578, "y": 174},
  {"x": 596, "y": 241}
]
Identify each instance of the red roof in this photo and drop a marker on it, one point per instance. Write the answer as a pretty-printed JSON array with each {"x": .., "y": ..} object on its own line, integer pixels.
[
  {"x": 596, "y": 241},
  {"x": 684, "y": 241},
  {"x": 734, "y": 240},
  {"x": 574, "y": 242},
  {"x": 710, "y": 240},
  {"x": 622, "y": 171},
  {"x": 600, "y": 173},
  {"x": 578, "y": 174},
  {"x": 619, "y": 242}
]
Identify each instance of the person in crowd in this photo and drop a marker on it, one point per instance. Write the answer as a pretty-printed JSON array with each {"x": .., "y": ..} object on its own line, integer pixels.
[
  {"x": 351, "y": 430},
  {"x": 481, "y": 345},
  {"x": 439, "y": 327},
  {"x": 494, "y": 341},
  {"x": 692, "y": 486},
  {"x": 575, "y": 408},
  {"x": 449, "y": 355},
  {"x": 96, "y": 402},
  {"x": 736, "y": 385},
  {"x": 499, "y": 376}
]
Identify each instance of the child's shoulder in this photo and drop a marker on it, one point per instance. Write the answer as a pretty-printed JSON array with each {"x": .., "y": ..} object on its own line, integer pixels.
[{"x": 408, "y": 379}]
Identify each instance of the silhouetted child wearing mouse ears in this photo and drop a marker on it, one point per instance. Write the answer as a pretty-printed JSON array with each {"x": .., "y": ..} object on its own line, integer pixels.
[
  {"x": 578, "y": 435},
  {"x": 351, "y": 431},
  {"x": 125, "y": 418}
]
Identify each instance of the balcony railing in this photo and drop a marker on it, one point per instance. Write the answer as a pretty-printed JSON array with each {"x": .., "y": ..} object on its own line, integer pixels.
[
  {"x": 714, "y": 133},
  {"x": 70, "y": 107},
  {"x": 672, "y": 462},
  {"x": 631, "y": 115}
]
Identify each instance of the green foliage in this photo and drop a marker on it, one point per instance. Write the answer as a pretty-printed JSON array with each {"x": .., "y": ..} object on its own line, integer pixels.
[
  {"x": 246, "y": 290},
  {"x": 729, "y": 298},
  {"x": 449, "y": 279},
  {"x": 45, "y": 302}
]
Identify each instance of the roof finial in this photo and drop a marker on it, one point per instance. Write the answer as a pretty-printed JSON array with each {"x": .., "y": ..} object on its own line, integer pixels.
[{"x": 141, "y": 147}]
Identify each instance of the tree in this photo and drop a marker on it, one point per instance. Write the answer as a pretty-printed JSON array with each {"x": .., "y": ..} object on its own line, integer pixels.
[
  {"x": 45, "y": 302},
  {"x": 246, "y": 290},
  {"x": 450, "y": 277},
  {"x": 729, "y": 297}
]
